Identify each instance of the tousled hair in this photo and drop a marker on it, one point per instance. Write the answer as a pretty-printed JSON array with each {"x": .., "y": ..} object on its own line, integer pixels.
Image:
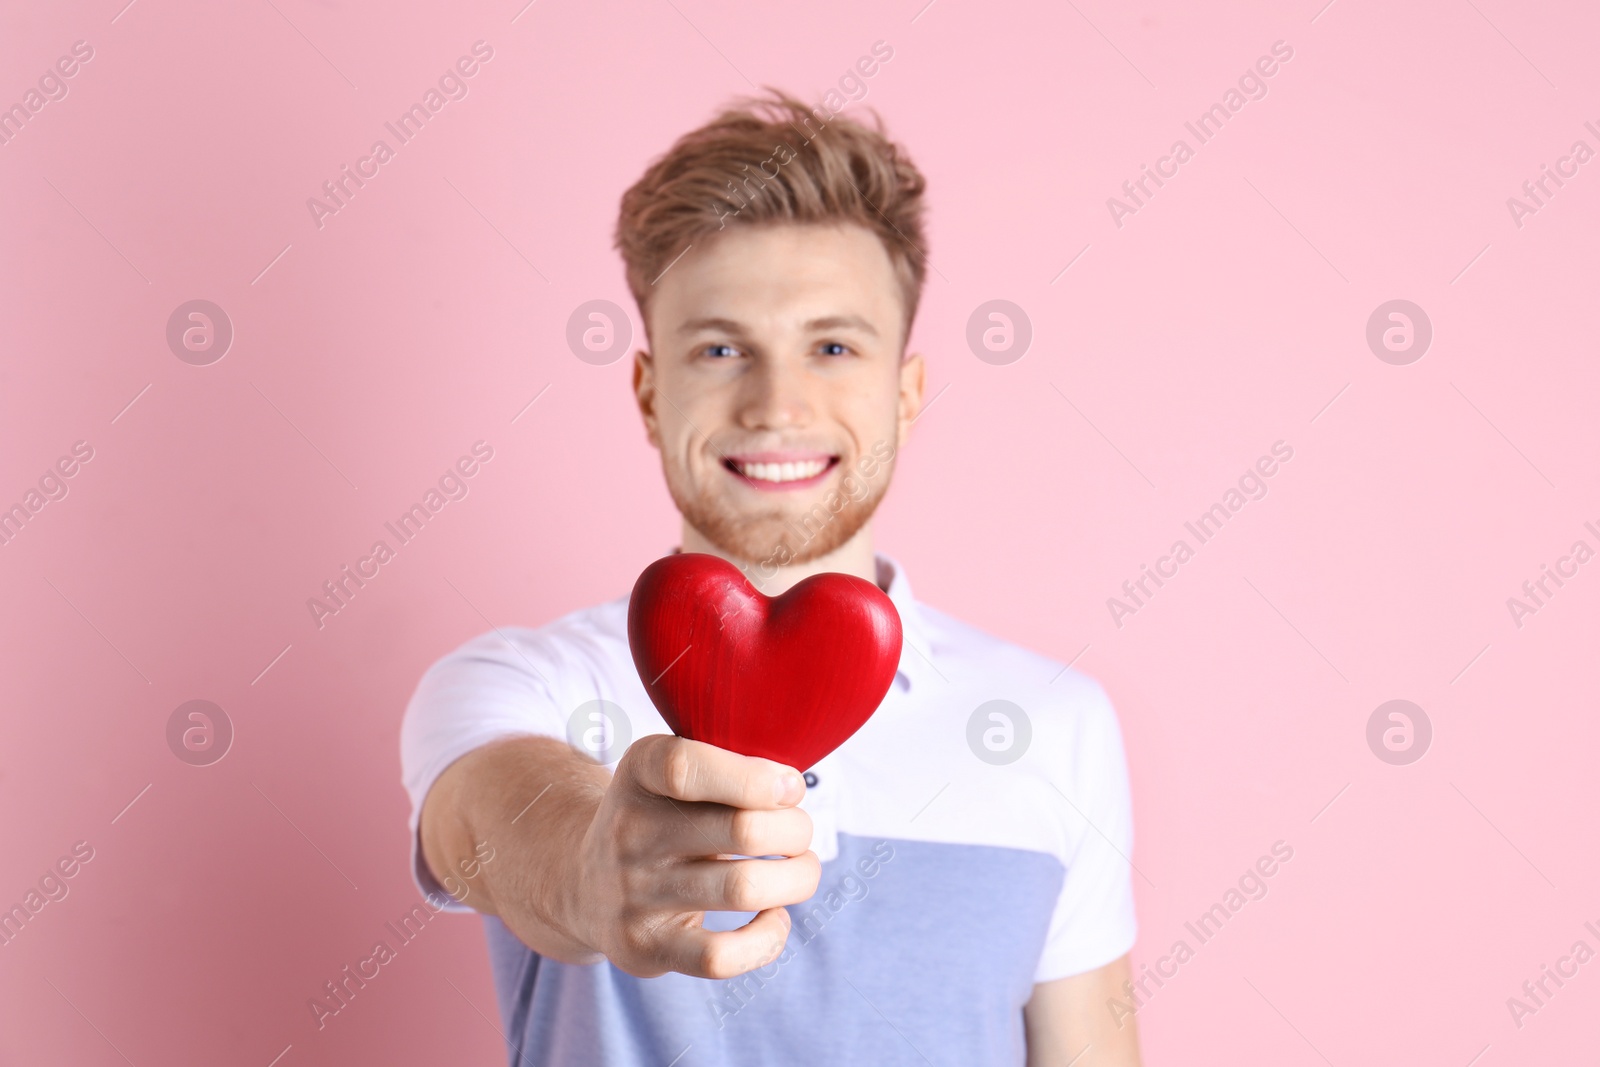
[{"x": 769, "y": 160}]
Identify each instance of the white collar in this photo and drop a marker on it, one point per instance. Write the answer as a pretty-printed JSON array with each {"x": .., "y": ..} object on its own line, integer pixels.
[{"x": 916, "y": 650}]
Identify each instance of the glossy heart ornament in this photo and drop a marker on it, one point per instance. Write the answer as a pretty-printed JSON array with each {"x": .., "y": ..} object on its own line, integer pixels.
[{"x": 787, "y": 678}]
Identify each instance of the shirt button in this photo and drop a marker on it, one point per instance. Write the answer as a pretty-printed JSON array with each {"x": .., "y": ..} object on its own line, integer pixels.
[{"x": 811, "y": 780}]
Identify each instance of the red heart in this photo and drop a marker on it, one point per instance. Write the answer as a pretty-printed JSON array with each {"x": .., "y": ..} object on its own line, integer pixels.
[{"x": 787, "y": 678}]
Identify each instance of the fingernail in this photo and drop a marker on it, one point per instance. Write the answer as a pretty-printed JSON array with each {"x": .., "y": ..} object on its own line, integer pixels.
[{"x": 788, "y": 789}]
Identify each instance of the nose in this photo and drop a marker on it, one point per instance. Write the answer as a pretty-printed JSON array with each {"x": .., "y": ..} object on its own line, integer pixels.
[{"x": 775, "y": 396}]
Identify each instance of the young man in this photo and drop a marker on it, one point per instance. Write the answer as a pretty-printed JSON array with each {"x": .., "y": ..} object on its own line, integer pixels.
[{"x": 952, "y": 884}]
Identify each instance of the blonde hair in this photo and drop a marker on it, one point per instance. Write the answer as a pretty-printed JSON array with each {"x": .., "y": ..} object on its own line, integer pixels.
[{"x": 824, "y": 169}]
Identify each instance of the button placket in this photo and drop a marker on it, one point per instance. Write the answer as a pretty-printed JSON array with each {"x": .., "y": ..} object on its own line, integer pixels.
[{"x": 822, "y": 804}]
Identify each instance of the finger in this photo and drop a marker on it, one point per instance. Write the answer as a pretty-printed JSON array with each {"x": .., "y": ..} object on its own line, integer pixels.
[
  {"x": 701, "y": 830},
  {"x": 694, "y": 950},
  {"x": 736, "y": 885},
  {"x": 691, "y": 770}
]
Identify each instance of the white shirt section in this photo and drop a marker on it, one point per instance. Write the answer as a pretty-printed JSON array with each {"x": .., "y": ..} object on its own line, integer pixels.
[{"x": 908, "y": 773}]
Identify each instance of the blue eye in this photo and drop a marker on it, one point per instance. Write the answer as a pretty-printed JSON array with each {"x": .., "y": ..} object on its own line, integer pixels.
[
  {"x": 721, "y": 351},
  {"x": 833, "y": 348}
]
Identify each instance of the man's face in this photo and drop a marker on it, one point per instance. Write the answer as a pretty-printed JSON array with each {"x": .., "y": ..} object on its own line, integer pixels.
[{"x": 776, "y": 390}]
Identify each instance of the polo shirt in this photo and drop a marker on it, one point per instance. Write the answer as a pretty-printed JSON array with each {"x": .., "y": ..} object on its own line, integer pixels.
[{"x": 974, "y": 834}]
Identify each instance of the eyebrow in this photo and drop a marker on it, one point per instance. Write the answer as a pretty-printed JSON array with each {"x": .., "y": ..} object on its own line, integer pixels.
[
  {"x": 837, "y": 322},
  {"x": 737, "y": 329},
  {"x": 728, "y": 326}
]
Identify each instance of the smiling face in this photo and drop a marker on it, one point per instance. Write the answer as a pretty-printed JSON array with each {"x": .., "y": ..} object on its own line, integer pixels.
[{"x": 775, "y": 388}]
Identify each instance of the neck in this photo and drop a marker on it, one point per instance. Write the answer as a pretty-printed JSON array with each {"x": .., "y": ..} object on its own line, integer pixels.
[{"x": 855, "y": 557}]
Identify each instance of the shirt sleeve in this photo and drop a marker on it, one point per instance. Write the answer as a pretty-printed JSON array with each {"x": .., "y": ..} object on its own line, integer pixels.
[
  {"x": 1094, "y": 922},
  {"x": 490, "y": 688}
]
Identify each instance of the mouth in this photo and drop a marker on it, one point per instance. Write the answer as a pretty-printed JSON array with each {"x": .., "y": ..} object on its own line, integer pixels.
[{"x": 781, "y": 471}]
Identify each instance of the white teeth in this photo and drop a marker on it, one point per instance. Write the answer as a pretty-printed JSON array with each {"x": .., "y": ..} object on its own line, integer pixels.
[{"x": 783, "y": 472}]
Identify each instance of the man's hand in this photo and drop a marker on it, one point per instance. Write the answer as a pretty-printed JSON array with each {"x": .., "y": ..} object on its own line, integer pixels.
[{"x": 624, "y": 866}]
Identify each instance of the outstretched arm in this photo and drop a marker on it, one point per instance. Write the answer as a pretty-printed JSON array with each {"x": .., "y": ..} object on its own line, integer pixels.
[{"x": 623, "y": 867}]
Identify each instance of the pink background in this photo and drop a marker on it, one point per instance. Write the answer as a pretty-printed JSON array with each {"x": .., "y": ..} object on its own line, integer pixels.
[{"x": 1225, "y": 315}]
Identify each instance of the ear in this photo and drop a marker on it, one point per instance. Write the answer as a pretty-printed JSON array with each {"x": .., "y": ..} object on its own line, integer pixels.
[
  {"x": 913, "y": 382},
  {"x": 644, "y": 394}
]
